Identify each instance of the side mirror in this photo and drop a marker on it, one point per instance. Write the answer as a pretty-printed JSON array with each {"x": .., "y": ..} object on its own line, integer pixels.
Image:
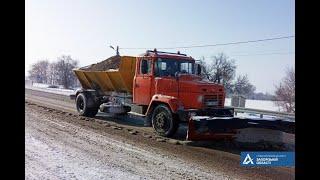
[
  {"x": 198, "y": 69},
  {"x": 144, "y": 66}
]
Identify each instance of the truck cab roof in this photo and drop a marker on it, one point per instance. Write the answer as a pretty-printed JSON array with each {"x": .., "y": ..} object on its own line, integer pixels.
[{"x": 161, "y": 54}]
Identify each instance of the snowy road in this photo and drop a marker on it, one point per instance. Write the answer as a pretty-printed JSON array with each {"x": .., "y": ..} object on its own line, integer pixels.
[
  {"x": 61, "y": 145},
  {"x": 61, "y": 150}
]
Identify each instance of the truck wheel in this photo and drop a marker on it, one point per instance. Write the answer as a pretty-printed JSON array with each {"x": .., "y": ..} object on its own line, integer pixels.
[
  {"x": 163, "y": 121},
  {"x": 82, "y": 108}
]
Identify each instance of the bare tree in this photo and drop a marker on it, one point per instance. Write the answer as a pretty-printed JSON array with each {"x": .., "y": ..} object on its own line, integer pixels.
[
  {"x": 285, "y": 91},
  {"x": 38, "y": 71},
  {"x": 62, "y": 71},
  {"x": 205, "y": 68},
  {"x": 52, "y": 74},
  {"x": 220, "y": 70},
  {"x": 242, "y": 86}
]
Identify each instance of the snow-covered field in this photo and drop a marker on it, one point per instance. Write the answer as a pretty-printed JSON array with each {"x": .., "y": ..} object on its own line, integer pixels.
[
  {"x": 45, "y": 88},
  {"x": 257, "y": 104}
]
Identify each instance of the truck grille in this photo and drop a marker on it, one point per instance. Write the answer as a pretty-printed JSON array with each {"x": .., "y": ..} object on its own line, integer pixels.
[{"x": 213, "y": 100}]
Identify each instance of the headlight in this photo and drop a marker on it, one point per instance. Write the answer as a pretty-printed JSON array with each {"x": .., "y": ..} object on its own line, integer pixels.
[{"x": 200, "y": 99}]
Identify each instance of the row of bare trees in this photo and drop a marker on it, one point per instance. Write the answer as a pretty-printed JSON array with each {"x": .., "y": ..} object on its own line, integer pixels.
[
  {"x": 56, "y": 73},
  {"x": 221, "y": 69}
]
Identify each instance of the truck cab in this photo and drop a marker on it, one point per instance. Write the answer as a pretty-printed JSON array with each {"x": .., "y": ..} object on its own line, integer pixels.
[{"x": 169, "y": 84}]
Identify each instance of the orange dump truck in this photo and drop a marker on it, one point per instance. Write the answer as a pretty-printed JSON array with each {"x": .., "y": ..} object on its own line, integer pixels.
[{"x": 166, "y": 89}]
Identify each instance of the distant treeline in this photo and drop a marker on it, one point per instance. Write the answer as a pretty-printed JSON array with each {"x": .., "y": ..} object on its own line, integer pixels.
[
  {"x": 55, "y": 73},
  {"x": 222, "y": 70}
]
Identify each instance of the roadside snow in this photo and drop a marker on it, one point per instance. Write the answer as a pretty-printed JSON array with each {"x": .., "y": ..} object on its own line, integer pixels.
[
  {"x": 257, "y": 104},
  {"x": 45, "y": 88}
]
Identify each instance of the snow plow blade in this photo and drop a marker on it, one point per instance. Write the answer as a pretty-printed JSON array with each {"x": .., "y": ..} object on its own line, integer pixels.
[{"x": 214, "y": 128}]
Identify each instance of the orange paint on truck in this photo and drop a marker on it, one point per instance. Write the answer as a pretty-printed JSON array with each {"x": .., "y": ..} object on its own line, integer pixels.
[{"x": 189, "y": 89}]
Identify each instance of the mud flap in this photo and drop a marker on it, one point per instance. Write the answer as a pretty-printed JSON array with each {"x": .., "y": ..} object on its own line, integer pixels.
[{"x": 214, "y": 128}]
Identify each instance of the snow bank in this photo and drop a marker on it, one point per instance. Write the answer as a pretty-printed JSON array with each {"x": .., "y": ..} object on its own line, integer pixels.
[
  {"x": 40, "y": 85},
  {"x": 45, "y": 88}
]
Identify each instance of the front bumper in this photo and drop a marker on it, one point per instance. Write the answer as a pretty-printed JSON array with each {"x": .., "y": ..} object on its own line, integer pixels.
[{"x": 184, "y": 115}]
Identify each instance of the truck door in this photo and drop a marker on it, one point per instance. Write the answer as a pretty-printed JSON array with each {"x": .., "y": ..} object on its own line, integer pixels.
[
  {"x": 165, "y": 80},
  {"x": 142, "y": 82}
]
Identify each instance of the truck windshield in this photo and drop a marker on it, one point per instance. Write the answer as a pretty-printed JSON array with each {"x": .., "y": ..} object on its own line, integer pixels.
[{"x": 168, "y": 67}]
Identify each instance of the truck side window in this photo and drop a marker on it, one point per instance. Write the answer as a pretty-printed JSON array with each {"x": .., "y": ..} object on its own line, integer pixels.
[
  {"x": 160, "y": 66},
  {"x": 145, "y": 66},
  {"x": 166, "y": 67},
  {"x": 186, "y": 68}
]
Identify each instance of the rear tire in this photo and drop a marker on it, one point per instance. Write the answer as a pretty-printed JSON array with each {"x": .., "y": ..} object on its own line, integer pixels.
[
  {"x": 82, "y": 106},
  {"x": 163, "y": 121}
]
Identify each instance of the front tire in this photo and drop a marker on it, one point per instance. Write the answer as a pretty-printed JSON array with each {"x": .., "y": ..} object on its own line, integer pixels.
[
  {"x": 82, "y": 106},
  {"x": 163, "y": 121}
]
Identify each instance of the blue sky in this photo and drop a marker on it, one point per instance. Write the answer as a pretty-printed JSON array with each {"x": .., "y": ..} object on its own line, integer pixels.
[{"x": 85, "y": 29}]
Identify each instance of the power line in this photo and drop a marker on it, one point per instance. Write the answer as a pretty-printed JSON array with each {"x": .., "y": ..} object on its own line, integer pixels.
[
  {"x": 284, "y": 53},
  {"x": 259, "y": 54},
  {"x": 220, "y": 44},
  {"x": 276, "y": 53}
]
